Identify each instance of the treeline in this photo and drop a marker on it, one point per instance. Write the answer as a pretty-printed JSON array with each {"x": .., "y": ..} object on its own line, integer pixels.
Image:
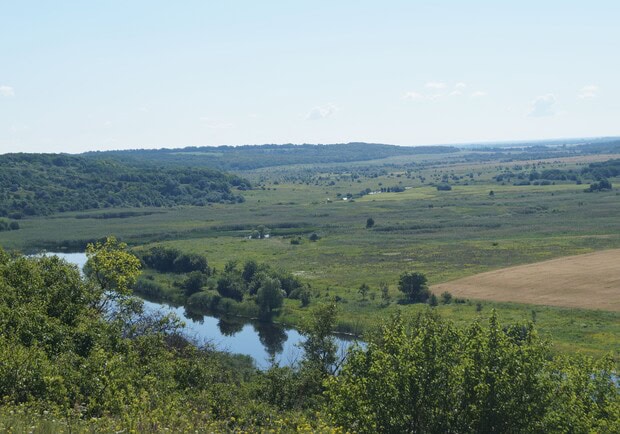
[
  {"x": 42, "y": 184},
  {"x": 251, "y": 289},
  {"x": 254, "y": 157},
  {"x": 6, "y": 225},
  {"x": 170, "y": 260},
  {"x": 69, "y": 363},
  {"x": 605, "y": 169},
  {"x": 596, "y": 172}
]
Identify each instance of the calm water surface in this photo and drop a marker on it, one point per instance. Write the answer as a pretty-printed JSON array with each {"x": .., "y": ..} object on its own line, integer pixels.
[{"x": 256, "y": 339}]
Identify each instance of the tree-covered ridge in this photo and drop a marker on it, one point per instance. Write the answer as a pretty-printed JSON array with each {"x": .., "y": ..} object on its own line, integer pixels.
[
  {"x": 41, "y": 184},
  {"x": 253, "y": 157}
]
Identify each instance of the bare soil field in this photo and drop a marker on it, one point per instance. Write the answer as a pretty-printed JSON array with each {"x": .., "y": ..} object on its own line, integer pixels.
[{"x": 589, "y": 281}]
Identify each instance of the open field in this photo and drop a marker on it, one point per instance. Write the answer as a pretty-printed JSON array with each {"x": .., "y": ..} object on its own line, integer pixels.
[
  {"x": 446, "y": 235},
  {"x": 590, "y": 281}
]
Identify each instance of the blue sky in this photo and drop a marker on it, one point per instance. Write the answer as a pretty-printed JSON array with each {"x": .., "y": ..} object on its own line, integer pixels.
[{"x": 86, "y": 75}]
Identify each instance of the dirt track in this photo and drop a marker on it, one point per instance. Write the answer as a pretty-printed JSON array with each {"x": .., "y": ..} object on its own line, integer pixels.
[{"x": 590, "y": 281}]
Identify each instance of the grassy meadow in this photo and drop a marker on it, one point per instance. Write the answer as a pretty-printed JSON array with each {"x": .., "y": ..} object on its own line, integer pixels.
[{"x": 479, "y": 225}]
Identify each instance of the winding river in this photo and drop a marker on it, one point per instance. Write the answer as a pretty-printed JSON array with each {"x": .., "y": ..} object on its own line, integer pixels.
[{"x": 259, "y": 340}]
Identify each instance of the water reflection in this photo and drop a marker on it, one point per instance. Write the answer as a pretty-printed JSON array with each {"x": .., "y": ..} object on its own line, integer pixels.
[
  {"x": 272, "y": 337},
  {"x": 260, "y": 340},
  {"x": 229, "y": 327}
]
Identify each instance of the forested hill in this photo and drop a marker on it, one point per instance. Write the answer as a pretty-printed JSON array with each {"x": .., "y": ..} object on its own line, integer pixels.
[
  {"x": 40, "y": 184},
  {"x": 254, "y": 157}
]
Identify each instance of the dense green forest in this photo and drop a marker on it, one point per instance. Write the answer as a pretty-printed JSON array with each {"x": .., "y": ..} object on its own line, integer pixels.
[
  {"x": 79, "y": 354},
  {"x": 254, "y": 157},
  {"x": 42, "y": 184},
  {"x": 251, "y": 157}
]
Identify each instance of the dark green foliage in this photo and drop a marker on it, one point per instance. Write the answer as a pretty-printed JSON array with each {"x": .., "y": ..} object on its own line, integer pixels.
[
  {"x": 314, "y": 237},
  {"x": 393, "y": 189},
  {"x": 59, "y": 357},
  {"x": 253, "y": 157},
  {"x": 169, "y": 260},
  {"x": 149, "y": 289},
  {"x": 604, "y": 169},
  {"x": 433, "y": 300},
  {"x": 269, "y": 296},
  {"x": 601, "y": 185},
  {"x": 432, "y": 377},
  {"x": 444, "y": 187},
  {"x": 42, "y": 184},
  {"x": 231, "y": 285},
  {"x": 188, "y": 262},
  {"x": 370, "y": 222},
  {"x": 288, "y": 281},
  {"x": 249, "y": 270},
  {"x": 446, "y": 297},
  {"x": 8, "y": 226},
  {"x": 304, "y": 297},
  {"x": 413, "y": 285},
  {"x": 320, "y": 346},
  {"x": 385, "y": 293},
  {"x": 194, "y": 283},
  {"x": 363, "y": 290}
]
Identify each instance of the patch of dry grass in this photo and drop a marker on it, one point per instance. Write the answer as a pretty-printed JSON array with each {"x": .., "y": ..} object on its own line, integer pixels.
[{"x": 590, "y": 281}]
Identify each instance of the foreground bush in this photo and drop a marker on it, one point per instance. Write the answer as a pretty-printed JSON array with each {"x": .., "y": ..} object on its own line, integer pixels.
[
  {"x": 432, "y": 377},
  {"x": 78, "y": 354}
]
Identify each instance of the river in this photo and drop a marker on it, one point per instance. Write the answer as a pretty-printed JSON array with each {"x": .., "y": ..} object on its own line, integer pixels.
[{"x": 259, "y": 340}]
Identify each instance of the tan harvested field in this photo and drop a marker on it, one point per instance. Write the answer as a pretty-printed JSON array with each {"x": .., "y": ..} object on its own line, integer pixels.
[{"x": 590, "y": 281}]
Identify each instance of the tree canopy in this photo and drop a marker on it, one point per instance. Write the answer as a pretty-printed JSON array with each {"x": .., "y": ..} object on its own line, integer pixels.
[
  {"x": 41, "y": 184},
  {"x": 431, "y": 377},
  {"x": 413, "y": 285}
]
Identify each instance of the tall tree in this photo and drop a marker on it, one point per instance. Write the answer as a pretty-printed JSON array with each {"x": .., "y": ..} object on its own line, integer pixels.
[{"x": 413, "y": 285}]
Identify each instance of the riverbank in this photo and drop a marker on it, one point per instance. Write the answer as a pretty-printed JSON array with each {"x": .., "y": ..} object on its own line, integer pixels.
[{"x": 583, "y": 331}]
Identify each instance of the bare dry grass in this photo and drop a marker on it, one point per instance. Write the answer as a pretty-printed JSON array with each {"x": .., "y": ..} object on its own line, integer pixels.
[{"x": 590, "y": 281}]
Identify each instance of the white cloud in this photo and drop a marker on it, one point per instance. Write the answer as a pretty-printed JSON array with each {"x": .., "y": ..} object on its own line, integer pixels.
[
  {"x": 413, "y": 95},
  {"x": 460, "y": 85},
  {"x": 435, "y": 85},
  {"x": 543, "y": 105},
  {"x": 589, "y": 91},
  {"x": 322, "y": 112},
  {"x": 6, "y": 91},
  {"x": 478, "y": 94},
  {"x": 456, "y": 93}
]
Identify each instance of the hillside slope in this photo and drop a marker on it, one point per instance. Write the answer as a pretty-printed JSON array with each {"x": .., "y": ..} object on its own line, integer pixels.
[
  {"x": 42, "y": 184},
  {"x": 255, "y": 157}
]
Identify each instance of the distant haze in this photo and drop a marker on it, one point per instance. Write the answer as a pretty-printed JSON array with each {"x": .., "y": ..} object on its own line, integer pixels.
[{"x": 80, "y": 76}]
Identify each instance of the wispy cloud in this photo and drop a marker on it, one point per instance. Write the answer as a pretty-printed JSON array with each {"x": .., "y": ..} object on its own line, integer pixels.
[
  {"x": 438, "y": 85},
  {"x": 322, "y": 112},
  {"x": 589, "y": 91},
  {"x": 478, "y": 94},
  {"x": 6, "y": 91},
  {"x": 543, "y": 105},
  {"x": 435, "y": 90},
  {"x": 413, "y": 95}
]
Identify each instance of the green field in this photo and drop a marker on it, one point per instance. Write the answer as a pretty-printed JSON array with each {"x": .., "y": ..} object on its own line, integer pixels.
[{"x": 443, "y": 234}]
